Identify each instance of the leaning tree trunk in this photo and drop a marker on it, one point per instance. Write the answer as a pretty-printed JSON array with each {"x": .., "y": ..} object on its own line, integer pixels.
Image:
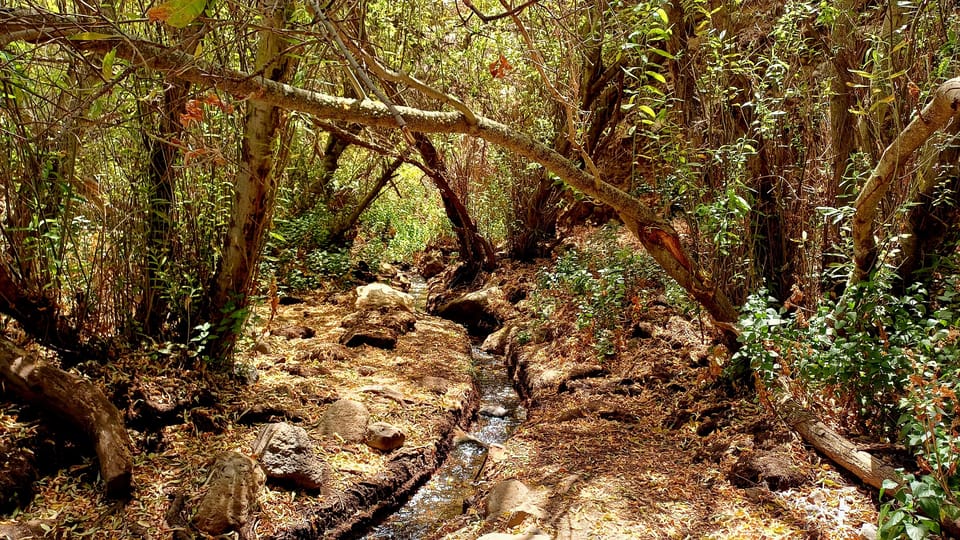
[
  {"x": 76, "y": 401},
  {"x": 475, "y": 250},
  {"x": 943, "y": 107},
  {"x": 255, "y": 193},
  {"x": 872, "y": 471},
  {"x": 338, "y": 234}
]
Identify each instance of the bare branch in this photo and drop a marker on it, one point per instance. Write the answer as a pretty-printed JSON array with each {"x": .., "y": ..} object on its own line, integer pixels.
[{"x": 511, "y": 12}]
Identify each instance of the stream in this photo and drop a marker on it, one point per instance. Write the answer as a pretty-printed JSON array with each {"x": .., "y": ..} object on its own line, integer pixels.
[{"x": 441, "y": 498}]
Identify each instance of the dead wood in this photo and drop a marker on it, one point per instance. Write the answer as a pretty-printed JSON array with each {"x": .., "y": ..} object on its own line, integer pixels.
[
  {"x": 77, "y": 401},
  {"x": 871, "y": 470}
]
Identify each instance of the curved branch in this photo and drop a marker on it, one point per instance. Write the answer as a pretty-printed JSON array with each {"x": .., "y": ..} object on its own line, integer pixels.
[
  {"x": 941, "y": 109},
  {"x": 509, "y": 13}
]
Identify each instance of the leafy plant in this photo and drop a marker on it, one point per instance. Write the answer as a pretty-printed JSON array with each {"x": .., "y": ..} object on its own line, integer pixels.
[{"x": 601, "y": 285}]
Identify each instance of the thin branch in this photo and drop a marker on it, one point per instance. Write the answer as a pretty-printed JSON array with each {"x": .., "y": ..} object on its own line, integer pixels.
[{"x": 511, "y": 12}]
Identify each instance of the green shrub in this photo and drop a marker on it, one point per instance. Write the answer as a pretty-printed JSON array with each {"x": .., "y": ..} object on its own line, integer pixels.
[
  {"x": 892, "y": 359},
  {"x": 601, "y": 284}
]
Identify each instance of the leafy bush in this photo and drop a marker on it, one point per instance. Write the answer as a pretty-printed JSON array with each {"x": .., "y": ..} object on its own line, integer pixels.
[
  {"x": 601, "y": 285},
  {"x": 892, "y": 360}
]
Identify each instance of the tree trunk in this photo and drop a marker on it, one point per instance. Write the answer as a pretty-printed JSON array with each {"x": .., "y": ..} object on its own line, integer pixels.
[
  {"x": 943, "y": 107},
  {"x": 339, "y": 232},
  {"x": 77, "y": 401},
  {"x": 475, "y": 251},
  {"x": 254, "y": 195}
]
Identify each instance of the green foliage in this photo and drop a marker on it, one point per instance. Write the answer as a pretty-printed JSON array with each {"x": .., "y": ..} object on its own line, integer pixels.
[
  {"x": 401, "y": 222},
  {"x": 601, "y": 284},
  {"x": 892, "y": 358}
]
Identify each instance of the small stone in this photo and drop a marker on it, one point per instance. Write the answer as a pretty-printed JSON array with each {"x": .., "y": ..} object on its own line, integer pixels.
[
  {"x": 496, "y": 411},
  {"x": 505, "y": 496},
  {"x": 262, "y": 347},
  {"x": 437, "y": 385},
  {"x": 291, "y": 332},
  {"x": 385, "y": 437},
  {"x": 366, "y": 371},
  {"x": 346, "y": 418},
  {"x": 868, "y": 531}
]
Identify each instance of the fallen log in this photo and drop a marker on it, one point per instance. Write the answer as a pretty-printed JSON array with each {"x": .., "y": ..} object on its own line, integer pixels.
[
  {"x": 77, "y": 401},
  {"x": 871, "y": 470}
]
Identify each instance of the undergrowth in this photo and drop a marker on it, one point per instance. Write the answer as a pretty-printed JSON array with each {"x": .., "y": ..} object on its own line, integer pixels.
[
  {"x": 601, "y": 286},
  {"x": 888, "y": 361}
]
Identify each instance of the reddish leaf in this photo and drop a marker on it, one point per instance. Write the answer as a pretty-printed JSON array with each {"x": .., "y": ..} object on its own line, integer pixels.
[{"x": 500, "y": 67}]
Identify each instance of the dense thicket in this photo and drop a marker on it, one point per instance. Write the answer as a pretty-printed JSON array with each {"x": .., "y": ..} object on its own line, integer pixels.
[{"x": 163, "y": 163}]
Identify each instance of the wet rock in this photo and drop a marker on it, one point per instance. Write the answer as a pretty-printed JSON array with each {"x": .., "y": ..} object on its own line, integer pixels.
[
  {"x": 346, "y": 418},
  {"x": 295, "y": 331},
  {"x": 496, "y": 411},
  {"x": 505, "y": 496},
  {"x": 385, "y": 437},
  {"x": 231, "y": 496},
  {"x": 287, "y": 455},
  {"x": 431, "y": 266},
  {"x": 380, "y": 295},
  {"x": 496, "y": 342},
  {"x": 480, "y": 311},
  {"x": 774, "y": 469}
]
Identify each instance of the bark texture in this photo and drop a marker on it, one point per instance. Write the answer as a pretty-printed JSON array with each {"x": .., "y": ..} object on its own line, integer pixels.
[
  {"x": 254, "y": 194},
  {"x": 936, "y": 115},
  {"x": 77, "y": 401}
]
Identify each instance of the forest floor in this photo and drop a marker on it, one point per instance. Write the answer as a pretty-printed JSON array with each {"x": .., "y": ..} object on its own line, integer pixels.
[{"x": 640, "y": 445}]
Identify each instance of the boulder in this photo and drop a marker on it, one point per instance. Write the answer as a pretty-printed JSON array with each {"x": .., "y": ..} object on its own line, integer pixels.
[
  {"x": 381, "y": 338},
  {"x": 496, "y": 343},
  {"x": 287, "y": 454},
  {"x": 385, "y": 437},
  {"x": 506, "y": 496},
  {"x": 346, "y": 418},
  {"x": 231, "y": 496},
  {"x": 480, "y": 311},
  {"x": 381, "y": 295},
  {"x": 379, "y": 329}
]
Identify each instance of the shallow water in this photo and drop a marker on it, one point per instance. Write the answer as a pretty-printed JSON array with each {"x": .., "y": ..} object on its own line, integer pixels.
[{"x": 441, "y": 498}]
